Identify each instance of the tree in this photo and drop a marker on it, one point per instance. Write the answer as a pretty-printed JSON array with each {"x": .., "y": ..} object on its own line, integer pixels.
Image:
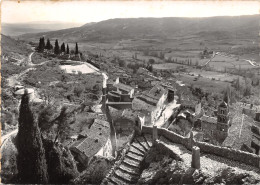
[
  {"x": 247, "y": 91},
  {"x": 227, "y": 95},
  {"x": 31, "y": 162},
  {"x": 56, "y": 47},
  {"x": 121, "y": 63},
  {"x": 68, "y": 50},
  {"x": 151, "y": 61},
  {"x": 76, "y": 49},
  {"x": 62, "y": 47},
  {"x": 48, "y": 45},
  {"x": 64, "y": 120},
  {"x": 41, "y": 44},
  {"x": 237, "y": 84}
]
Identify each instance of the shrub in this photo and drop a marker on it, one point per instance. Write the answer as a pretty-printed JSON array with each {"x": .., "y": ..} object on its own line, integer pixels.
[
  {"x": 121, "y": 63},
  {"x": 78, "y": 90}
]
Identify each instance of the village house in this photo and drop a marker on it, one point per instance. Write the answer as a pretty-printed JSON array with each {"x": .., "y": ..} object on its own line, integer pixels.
[
  {"x": 94, "y": 140},
  {"x": 191, "y": 104},
  {"x": 154, "y": 95},
  {"x": 119, "y": 92},
  {"x": 251, "y": 110},
  {"x": 216, "y": 128},
  {"x": 208, "y": 125}
]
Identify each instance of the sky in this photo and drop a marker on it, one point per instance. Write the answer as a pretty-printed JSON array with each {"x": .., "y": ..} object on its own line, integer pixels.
[{"x": 95, "y": 11}]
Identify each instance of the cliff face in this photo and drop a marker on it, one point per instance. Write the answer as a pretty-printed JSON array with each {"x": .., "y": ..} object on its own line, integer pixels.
[
  {"x": 95, "y": 172},
  {"x": 61, "y": 165},
  {"x": 162, "y": 169}
]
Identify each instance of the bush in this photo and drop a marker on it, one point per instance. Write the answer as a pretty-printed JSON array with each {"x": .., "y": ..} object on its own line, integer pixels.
[
  {"x": 151, "y": 61},
  {"x": 78, "y": 90},
  {"x": 121, "y": 63}
]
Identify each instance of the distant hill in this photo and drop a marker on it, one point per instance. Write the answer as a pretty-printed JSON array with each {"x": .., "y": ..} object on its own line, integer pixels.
[
  {"x": 16, "y": 29},
  {"x": 165, "y": 28},
  {"x": 10, "y": 45}
]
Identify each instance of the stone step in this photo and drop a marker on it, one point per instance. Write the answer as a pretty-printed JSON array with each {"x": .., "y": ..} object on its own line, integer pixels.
[
  {"x": 127, "y": 176},
  {"x": 143, "y": 142},
  {"x": 117, "y": 180},
  {"x": 138, "y": 154},
  {"x": 132, "y": 162},
  {"x": 137, "y": 151},
  {"x": 138, "y": 147},
  {"x": 134, "y": 156},
  {"x": 129, "y": 169},
  {"x": 148, "y": 139},
  {"x": 130, "y": 165}
]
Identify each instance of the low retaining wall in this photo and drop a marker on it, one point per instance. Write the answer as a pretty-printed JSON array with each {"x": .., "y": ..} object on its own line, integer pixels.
[{"x": 229, "y": 153}]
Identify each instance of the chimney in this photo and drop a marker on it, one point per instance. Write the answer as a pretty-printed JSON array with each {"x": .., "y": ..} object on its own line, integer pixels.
[{"x": 170, "y": 96}]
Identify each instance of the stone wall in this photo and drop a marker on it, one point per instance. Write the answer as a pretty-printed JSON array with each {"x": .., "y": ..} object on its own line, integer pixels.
[{"x": 229, "y": 153}]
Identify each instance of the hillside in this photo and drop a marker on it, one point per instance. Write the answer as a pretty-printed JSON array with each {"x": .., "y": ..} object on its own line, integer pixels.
[
  {"x": 10, "y": 45},
  {"x": 162, "y": 28},
  {"x": 16, "y": 29}
]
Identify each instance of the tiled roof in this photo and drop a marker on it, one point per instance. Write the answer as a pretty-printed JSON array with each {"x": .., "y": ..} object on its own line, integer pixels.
[
  {"x": 155, "y": 93},
  {"x": 123, "y": 87},
  {"x": 188, "y": 102},
  {"x": 208, "y": 119},
  {"x": 239, "y": 132},
  {"x": 94, "y": 139}
]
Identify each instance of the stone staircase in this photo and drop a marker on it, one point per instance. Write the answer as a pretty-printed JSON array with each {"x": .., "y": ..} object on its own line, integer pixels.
[{"x": 129, "y": 171}]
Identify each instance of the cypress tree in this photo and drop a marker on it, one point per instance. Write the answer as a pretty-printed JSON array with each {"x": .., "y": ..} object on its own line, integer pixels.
[
  {"x": 48, "y": 45},
  {"x": 41, "y": 44},
  {"x": 62, "y": 47},
  {"x": 68, "y": 50},
  {"x": 56, "y": 47},
  {"x": 31, "y": 162},
  {"x": 76, "y": 49}
]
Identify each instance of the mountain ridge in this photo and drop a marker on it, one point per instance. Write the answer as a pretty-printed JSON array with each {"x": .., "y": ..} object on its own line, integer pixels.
[{"x": 165, "y": 28}]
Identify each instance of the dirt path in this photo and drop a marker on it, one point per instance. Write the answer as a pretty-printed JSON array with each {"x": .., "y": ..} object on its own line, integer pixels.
[
  {"x": 14, "y": 80},
  {"x": 251, "y": 63},
  {"x": 5, "y": 138}
]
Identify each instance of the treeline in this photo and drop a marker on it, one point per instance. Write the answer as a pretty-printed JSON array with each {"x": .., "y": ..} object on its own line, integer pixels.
[{"x": 57, "y": 49}]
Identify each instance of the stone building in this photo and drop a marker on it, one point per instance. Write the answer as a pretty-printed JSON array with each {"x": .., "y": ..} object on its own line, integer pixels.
[
  {"x": 216, "y": 128},
  {"x": 119, "y": 92},
  {"x": 95, "y": 140},
  {"x": 208, "y": 126},
  {"x": 223, "y": 121}
]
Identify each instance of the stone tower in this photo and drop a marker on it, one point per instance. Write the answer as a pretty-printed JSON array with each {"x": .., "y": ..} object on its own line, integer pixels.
[{"x": 223, "y": 121}]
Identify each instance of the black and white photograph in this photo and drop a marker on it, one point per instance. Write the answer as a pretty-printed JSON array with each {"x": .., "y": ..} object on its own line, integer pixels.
[{"x": 130, "y": 92}]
